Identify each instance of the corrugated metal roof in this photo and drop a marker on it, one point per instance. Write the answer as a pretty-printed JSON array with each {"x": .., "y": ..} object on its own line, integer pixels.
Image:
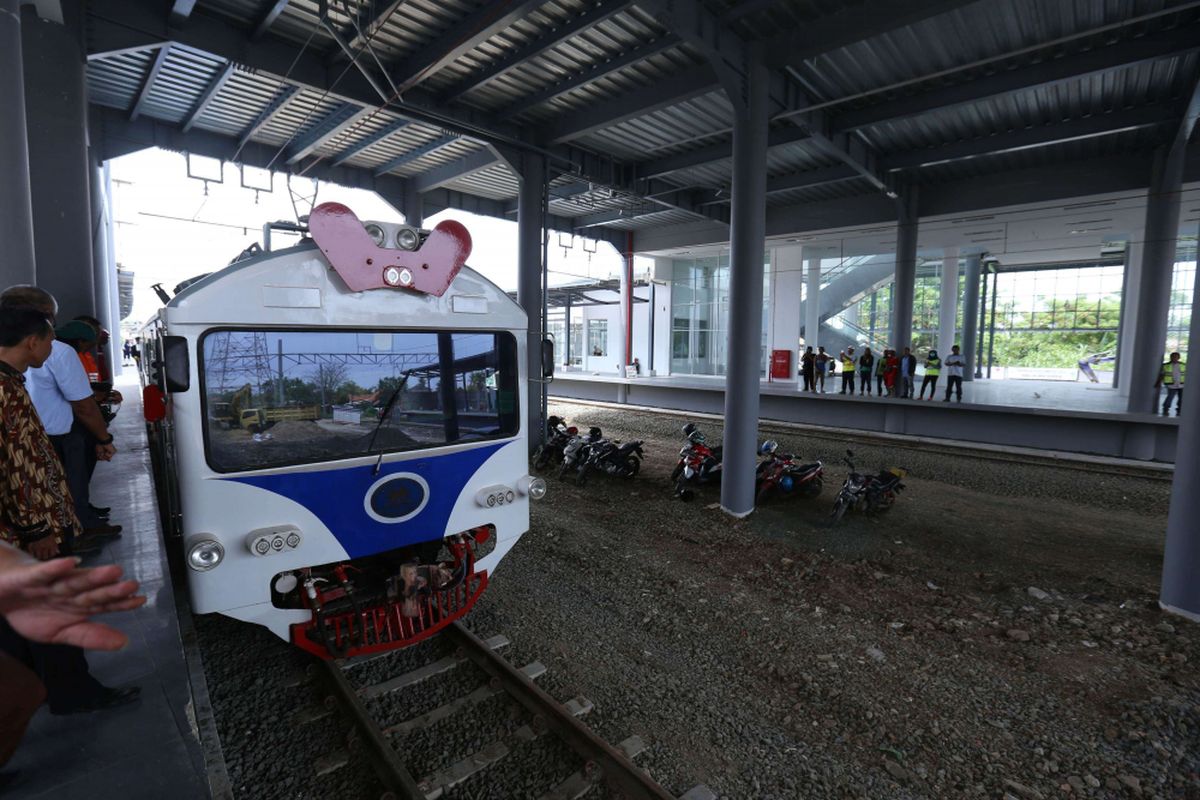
[{"x": 956, "y": 48}]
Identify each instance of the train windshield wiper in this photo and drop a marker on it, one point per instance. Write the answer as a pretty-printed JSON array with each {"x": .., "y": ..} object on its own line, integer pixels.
[{"x": 383, "y": 415}]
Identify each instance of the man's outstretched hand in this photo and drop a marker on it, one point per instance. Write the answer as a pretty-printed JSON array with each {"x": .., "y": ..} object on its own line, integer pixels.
[{"x": 51, "y": 601}]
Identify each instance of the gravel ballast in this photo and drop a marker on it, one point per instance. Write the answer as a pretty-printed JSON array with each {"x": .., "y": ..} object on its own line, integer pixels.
[{"x": 995, "y": 634}]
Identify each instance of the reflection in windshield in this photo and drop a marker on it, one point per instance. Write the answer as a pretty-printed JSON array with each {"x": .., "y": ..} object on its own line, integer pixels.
[{"x": 285, "y": 397}]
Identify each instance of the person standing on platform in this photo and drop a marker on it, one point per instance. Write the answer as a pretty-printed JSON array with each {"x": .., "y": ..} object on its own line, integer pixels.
[
  {"x": 1171, "y": 376},
  {"x": 822, "y": 364},
  {"x": 808, "y": 365},
  {"x": 891, "y": 371},
  {"x": 848, "y": 367},
  {"x": 62, "y": 394},
  {"x": 866, "y": 365},
  {"x": 933, "y": 368},
  {"x": 908, "y": 372},
  {"x": 36, "y": 514},
  {"x": 954, "y": 372},
  {"x": 880, "y": 370}
]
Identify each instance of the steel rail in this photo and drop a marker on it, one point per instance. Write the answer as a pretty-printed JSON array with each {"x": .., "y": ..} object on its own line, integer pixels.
[
  {"x": 395, "y": 776},
  {"x": 615, "y": 768}
]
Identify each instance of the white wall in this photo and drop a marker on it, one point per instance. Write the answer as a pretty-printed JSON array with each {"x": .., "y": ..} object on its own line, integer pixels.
[{"x": 787, "y": 280}]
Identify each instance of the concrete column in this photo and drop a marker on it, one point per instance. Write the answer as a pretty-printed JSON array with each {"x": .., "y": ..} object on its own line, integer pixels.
[
  {"x": 787, "y": 279},
  {"x": 531, "y": 223},
  {"x": 970, "y": 315},
  {"x": 1154, "y": 289},
  {"x": 104, "y": 271},
  {"x": 747, "y": 243},
  {"x": 622, "y": 347},
  {"x": 59, "y": 169},
  {"x": 16, "y": 205},
  {"x": 904, "y": 288},
  {"x": 948, "y": 303},
  {"x": 812, "y": 303},
  {"x": 1126, "y": 335},
  {"x": 1181, "y": 556}
]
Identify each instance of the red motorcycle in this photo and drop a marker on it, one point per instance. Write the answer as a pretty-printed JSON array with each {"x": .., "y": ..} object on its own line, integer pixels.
[
  {"x": 698, "y": 464},
  {"x": 780, "y": 473}
]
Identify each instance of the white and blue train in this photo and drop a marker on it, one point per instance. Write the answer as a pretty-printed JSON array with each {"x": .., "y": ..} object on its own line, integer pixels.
[{"x": 338, "y": 431}]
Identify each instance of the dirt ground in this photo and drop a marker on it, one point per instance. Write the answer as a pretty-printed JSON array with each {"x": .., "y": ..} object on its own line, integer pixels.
[{"x": 990, "y": 636}]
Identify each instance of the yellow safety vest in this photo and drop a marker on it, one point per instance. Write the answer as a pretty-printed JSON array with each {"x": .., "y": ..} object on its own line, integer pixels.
[
  {"x": 1168, "y": 372},
  {"x": 848, "y": 364},
  {"x": 933, "y": 366}
]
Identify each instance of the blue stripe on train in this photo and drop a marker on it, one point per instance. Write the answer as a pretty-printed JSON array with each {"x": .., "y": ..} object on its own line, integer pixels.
[{"x": 335, "y": 496}]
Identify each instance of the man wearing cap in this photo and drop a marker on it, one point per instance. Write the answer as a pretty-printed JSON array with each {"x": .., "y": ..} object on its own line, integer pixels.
[{"x": 62, "y": 394}]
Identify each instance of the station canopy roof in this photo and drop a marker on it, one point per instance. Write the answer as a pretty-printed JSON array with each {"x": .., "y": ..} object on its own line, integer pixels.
[{"x": 442, "y": 97}]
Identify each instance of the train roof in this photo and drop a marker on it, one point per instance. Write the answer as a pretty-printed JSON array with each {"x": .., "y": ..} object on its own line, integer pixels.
[{"x": 297, "y": 287}]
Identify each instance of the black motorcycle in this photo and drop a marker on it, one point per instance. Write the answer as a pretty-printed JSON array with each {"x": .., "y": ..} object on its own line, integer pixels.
[
  {"x": 551, "y": 452},
  {"x": 698, "y": 464},
  {"x": 611, "y": 458},
  {"x": 577, "y": 450},
  {"x": 867, "y": 493}
]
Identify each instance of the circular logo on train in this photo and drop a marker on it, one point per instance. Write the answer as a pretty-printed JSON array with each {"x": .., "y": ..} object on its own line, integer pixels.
[{"x": 396, "y": 497}]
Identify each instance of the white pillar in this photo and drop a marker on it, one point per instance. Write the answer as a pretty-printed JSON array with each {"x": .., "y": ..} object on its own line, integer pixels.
[
  {"x": 948, "y": 309},
  {"x": 1127, "y": 330},
  {"x": 812, "y": 304},
  {"x": 787, "y": 279}
]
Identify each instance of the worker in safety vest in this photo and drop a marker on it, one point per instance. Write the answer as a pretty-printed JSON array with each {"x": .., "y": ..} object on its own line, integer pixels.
[
  {"x": 933, "y": 368},
  {"x": 1171, "y": 376},
  {"x": 847, "y": 359}
]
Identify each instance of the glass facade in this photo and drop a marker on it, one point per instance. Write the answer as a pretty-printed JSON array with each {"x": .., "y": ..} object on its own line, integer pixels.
[{"x": 700, "y": 315}]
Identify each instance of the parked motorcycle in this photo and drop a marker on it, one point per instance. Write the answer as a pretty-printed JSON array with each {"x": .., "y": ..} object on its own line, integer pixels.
[
  {"x": 867, "y": 493},
  {"x": 611, "y": 458},
  {"x": 551, "y": 452},
  {"x": 577, "y": 450},
  {"x": 698, "y": 464},
  {"x": 780, "y": 473}
]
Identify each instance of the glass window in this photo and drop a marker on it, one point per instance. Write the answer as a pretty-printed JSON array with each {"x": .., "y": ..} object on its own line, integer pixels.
[
  {"x": 274, "y": 397},
  {"x": 598, "y": 337},
  {"x": 576, "y": 343}
]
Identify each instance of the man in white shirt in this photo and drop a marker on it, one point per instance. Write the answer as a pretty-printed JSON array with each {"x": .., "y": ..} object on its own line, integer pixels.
[
  {"x": 62, "y": 395},
  {"x": 953, "y": 365}
]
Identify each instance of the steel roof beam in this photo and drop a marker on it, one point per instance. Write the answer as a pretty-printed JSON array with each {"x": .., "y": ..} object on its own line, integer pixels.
[
  {"x": 1153, "y": 47},
  {"x": 181, "y": 10},
  {"x": 593, "y": 73},
  {"x": 414, "y": 154},
  {"x": 268, "y": 19},
  {"x": 455, "y": 170},
  {"x": 547, "y": 41},
  {"x": 615, "y": 215},
  {"x": 853, "y": 23},
  {"x": 800, "y": 180},
  {"x": 383, "y": 133},
  {"x": 712, "y": 154},
  {"x": 1043, "y": 136},
  {"x": 469, "y": 33},
  {"x": 368, "y": 23},
  {"x": 148, "y": 85},
  {"x": 210, "y": 93},
  {"x": 281, "y": 98},
  {"x": 639, "y": 102},
  {"x": 324, "y": 130}
]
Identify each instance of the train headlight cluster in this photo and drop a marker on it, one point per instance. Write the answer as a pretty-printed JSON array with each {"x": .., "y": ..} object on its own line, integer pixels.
[
  {"x": 204, "y": 554},
  {"x": 265, "y": 541},
  {"x": 407, "y": 239},
  {"x": 377, "y": 234}
]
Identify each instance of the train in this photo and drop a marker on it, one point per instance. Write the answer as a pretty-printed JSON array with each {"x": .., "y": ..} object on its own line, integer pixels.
[{"x": 337, "y": 436}]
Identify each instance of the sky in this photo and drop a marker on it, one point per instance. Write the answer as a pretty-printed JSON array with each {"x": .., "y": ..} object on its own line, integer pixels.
[{"x": 171, "y": 227}]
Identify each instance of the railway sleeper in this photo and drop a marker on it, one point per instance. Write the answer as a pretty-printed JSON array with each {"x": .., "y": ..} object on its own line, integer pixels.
[
  {"x": 532, "y": 671},
  {"x": 436, "y": 785},
  {"x": 582, "y": 782},
  {"x": 426, "y": 672}
]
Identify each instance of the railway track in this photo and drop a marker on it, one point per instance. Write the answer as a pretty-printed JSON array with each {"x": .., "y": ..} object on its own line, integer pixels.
[{"x": 599, "y": 763}]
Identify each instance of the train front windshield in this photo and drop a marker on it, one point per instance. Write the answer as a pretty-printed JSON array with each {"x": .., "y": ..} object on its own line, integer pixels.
[{"x": 276, "y": 397}]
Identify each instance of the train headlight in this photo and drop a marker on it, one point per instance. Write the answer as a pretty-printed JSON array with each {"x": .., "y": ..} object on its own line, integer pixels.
[
  {"x": 204, "y": 554},
  {"x": 376, "y": 233},
  {"x": 534, "y": 487},
  {"x": 407, "y": 239}
]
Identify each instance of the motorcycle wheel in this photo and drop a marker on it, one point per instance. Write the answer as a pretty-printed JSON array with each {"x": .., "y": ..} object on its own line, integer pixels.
[
  {"x": 684, "y": 493},
  {"x": 581, "y": 476},
  {"x": 675, "y": 473},
  {"x": 562, "y": 471},
  {"x": 839, "y": 509},
  {"x": 632, "y": 466},
  {"x": 813, "y": 487},
  {"x": 761, "y": 497},
  {"x": 541, "y": 458}
]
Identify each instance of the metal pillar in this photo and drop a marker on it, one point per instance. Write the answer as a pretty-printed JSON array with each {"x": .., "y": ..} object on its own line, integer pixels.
[
  {"x": 991, "y": 356},
  {"x": 566, "y": 346},
  {"x": 970, "y": 315},
  {"x": 414, "y": 212},
  {"x": 906, "y": 268},
  {"x": 1154, "y": 289},
  {"x": 1126, "y": 335},
  {"x": 812, "y": 304},
  {"x": 747, "y": 246},
  {"x": 59, "y": 168},
  {"x": 16, "y": 205},
  {"x": 531, "y": 226},
  {"x": 983, "y": 308},
  {"x": 948, "y": 303},
  {"x": 105, "y": 272},
  {"x": 1181, "y": 556}
]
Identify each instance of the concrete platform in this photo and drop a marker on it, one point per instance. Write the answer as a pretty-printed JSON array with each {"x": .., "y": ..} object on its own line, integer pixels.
[
  {"x": 151, "y": 749},
  {"x": 1067, "y": 417}
]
